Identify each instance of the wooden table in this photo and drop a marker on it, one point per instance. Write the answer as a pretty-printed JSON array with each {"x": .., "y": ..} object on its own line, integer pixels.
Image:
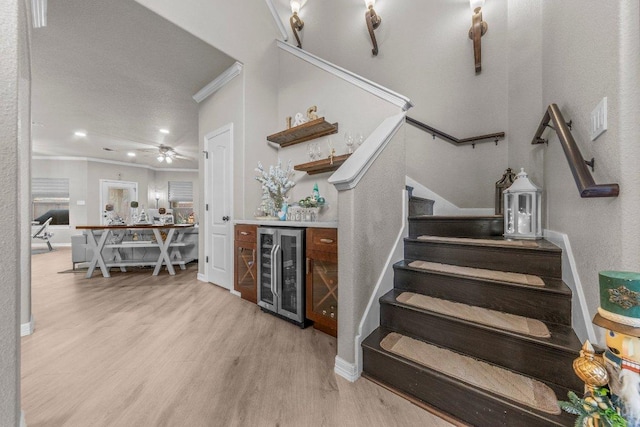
[{"x": 98, "y": 245}]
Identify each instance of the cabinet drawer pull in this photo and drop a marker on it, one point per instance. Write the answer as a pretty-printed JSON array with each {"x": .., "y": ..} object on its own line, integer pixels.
[
  {"x": 244, "y": 233},
  {"x": 326, "y": 240}
]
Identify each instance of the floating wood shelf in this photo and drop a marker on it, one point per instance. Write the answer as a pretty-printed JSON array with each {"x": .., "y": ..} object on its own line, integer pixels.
[
  {"x": 324, "y": 165},
  {"x": 304, "y": 132}
]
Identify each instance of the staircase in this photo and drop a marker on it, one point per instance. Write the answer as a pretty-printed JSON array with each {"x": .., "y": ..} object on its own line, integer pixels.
[{"x": 448, "y": 337}]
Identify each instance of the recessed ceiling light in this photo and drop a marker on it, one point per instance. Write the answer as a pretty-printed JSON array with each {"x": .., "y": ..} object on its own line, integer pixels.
[
  {"x": 80, "y": 133},
  {"x": 165, "y": 131},
  {"x": 131, "y": 154}
]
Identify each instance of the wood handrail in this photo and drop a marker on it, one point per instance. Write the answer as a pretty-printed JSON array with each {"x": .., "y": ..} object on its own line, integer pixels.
[
  {"x": 582, "y": 176},
  {"x": 452, "y": 139}
]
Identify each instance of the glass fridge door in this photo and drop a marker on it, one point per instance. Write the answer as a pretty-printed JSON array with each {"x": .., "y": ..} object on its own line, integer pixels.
[
  {"x": 290, "y": 286},
  {"x": 266, "y": 268}
]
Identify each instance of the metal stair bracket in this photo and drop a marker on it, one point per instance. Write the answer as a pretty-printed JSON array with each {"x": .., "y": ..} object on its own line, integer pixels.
[
  {"x": 577, "y": 164},
  {"x": 452, "y": 139}
]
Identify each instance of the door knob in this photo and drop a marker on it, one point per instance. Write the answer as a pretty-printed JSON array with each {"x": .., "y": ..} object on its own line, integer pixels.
[{"x": 225, "y": 218}]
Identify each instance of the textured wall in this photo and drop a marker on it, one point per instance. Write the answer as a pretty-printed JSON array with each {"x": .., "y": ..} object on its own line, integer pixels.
[
  {"x": 13, "y": 30},
  {"x": 370, "y": 217},
  {"x": 354, "y": 109},
  {"x": 579, "y": 68},
  {"x": 426, "y": 55}
]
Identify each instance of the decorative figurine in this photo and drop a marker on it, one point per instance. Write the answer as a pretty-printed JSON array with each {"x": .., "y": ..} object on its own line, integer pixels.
[
  {"x": 299, "y": 120},
  {"x": 619, "y": 314},
  {"x": 288, "y": 122},
  {"x": 311, "y": 113}
]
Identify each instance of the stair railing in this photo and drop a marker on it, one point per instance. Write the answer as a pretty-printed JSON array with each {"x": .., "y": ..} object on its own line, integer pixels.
[
  {"x": 577, "y": 164},
  {"x": 452, "y": 139}
]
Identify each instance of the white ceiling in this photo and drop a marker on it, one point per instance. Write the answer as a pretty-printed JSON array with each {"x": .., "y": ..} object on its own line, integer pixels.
[{"x": 119, "y": 72}]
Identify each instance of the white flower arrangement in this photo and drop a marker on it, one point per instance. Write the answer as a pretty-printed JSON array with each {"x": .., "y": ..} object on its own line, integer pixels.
[{"x": 276, "y": 183}]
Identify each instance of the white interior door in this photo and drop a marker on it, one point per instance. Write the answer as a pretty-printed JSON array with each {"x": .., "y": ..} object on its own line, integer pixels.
[
  {"x": 119, "y": 194},
  {"x": 218, "y": 206}
]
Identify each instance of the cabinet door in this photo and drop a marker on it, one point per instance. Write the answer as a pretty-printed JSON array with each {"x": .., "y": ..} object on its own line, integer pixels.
[
  {"x": 245, "y": 270},
  {"x": 290, "y": 283},
  {"x": 267, "y": 269},
  {"x": 322, "y": 291}
]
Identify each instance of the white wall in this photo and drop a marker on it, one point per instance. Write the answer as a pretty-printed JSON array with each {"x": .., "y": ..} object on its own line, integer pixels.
[
  {"x": 579, "y": 68},
  {"x": 426, "y": 55},
  {"x": 355, "y": 110},
  {"x": 13, "y": 46}
]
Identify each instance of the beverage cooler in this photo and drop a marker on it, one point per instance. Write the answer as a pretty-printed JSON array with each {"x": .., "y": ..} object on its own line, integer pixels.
[{"x": 281, "y": 272}]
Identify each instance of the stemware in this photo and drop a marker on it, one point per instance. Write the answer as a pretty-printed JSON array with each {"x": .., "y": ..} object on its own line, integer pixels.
[
  {"x": 312, "y": 151},
  {"x": 359, "y": 140},
  {"x": 318, "y": 151},
  {"x": 348, "y": 140}
]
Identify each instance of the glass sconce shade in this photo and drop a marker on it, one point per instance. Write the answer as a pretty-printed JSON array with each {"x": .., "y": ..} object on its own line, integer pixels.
[
  {"x": 295, "y": 6},
  {"x": 522, "y": 209},
  {"x": 475, "y": 4}
]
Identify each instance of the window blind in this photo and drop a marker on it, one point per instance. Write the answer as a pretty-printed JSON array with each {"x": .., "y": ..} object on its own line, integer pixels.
[
  {"x": 50, "y": 188},
  {"x": 180, "y": 191}
]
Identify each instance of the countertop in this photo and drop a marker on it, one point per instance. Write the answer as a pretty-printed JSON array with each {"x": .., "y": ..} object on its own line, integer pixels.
[{"x": 272, "y": 223}]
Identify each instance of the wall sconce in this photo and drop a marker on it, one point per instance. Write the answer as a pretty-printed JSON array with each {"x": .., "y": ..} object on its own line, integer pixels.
[
  {"x": 297, "y": 24},
  {"x": 477, "y": 30},
  {"x": 373, "y": 22}
]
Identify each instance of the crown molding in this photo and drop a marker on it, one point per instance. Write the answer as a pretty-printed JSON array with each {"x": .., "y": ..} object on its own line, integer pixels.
[
  {"x": 216, "y": 84},
  {"x": 276, "y": 18},
  {"x": 365, "y": 84},
  {"x": 111, "y": 162}
]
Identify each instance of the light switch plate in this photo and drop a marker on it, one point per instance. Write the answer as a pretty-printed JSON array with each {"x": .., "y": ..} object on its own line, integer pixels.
[
  {"x": 599, "y": 119},
  {"x": 80, "y": 202}
]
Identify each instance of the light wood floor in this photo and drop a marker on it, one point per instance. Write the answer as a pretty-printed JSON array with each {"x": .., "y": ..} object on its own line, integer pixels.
[{"x": 138, "y": 350}]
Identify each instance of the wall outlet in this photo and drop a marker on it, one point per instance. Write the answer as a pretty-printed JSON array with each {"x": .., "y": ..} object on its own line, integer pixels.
[
  {"x": 599, "y": 119},
  {"x": 80, "y": 203}
]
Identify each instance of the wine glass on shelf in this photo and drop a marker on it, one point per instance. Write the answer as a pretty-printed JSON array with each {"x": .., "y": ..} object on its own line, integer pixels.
[
  {"x": 312, "y": 151},
  {"x": 348, "y": 140},
  {"x": 359, "y": 140},
  {"x": 318, "y": 151}
]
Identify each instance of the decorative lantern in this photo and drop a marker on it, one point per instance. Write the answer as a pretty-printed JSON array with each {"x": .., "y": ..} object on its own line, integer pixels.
[
  {"x": 522, "y": 209},
  {"x": 502, "y": 184}
]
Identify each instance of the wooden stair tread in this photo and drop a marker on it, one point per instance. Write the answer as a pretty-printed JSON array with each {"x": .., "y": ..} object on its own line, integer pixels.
[
  {"x": 550, "y": 284},
  {"x": 490, "y": 241},
  {"x": 481, "y": 273},
  {"x": 447, "y": 391},
  {"x": 562, "y": 337}
]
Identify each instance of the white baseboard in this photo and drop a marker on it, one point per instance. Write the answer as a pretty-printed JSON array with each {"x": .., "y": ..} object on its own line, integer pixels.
[
  {"x": 202, "y": 277},
  {"x": 23, "y": 423},
  {"x": 236, "y": 293},
  {"x": 581, "y": 319},
  {"x": 348, "y": 371},
  {"x": 27, "y": 328}
]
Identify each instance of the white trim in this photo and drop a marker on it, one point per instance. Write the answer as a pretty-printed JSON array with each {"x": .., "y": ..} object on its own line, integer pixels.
[
  {"x": 365, "y": 84},
  {"x": 23, "y": 422},
  {"x": 202, "y": 277},
  {"x": 347, "y": 370},
  {"x": 276, "y": 17},
  {"x": 27, "y": 328},
  {"x": 236, "y": 293},
  {"x": 112, "y": 162},
  {"x": 371, "y": 316},
  {"x": 218, "y": 83},
  {"x": 442, "y": 206},
  {"x": 352, "y": 171},
  {"x": 581, "y": 319}
]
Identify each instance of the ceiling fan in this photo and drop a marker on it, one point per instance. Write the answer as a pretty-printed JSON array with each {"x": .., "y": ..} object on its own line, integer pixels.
[{"x": 167, "y": 154}]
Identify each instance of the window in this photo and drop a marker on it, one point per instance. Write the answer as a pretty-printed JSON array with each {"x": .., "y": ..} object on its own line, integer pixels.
[
  {"x": 50, "y": 198},
  {"x": 181, "y": 200}
]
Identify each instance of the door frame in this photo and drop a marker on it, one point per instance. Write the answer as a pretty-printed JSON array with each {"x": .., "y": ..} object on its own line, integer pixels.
[{"x": 207, "y": 200}]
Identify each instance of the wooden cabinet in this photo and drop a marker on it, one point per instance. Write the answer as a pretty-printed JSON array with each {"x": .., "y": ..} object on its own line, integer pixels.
[
  {"x": 245, "y": 262},
  {"x": 322, "y": 279}
]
